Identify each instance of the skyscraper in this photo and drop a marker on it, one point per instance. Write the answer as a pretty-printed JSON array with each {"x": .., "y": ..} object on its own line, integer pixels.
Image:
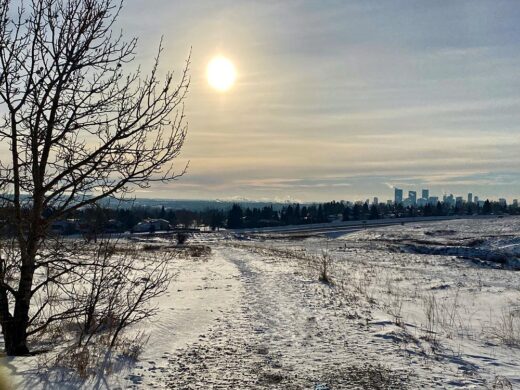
[
  {"x": 398, "y": 195},
  {"x": 432, "y": 200},
  {"x": 450, "y": 200},
  {"x": 470, "y": 197},
  {"x": 425, "y": 194},
  {"x": 412, "y": 195}
]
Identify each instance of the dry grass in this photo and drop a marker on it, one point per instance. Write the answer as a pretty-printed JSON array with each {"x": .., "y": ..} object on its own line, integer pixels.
[
  {"x": 179, "y": 250},
  {"x": 506, "y": 328},
  {"x": 501, "y": 383},
  {"x": 96, "y": 358},
  {"x": 132, "y": 348},
  {"x": 431, "y": 314}
]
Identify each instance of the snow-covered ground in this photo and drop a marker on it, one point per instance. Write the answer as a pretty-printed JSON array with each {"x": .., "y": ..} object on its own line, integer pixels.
[{"x": 424, "y": 305}]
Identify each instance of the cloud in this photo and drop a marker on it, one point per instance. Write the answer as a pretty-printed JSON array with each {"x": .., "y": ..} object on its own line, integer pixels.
[
  {"x": 310, "y": 183},
  {"x": 345, "y": 99},
  {"x": 276, "y": 199}
]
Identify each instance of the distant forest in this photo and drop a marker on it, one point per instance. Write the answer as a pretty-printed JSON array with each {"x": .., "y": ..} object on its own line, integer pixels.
[
  {"x": 297, "y": 214},
  {"x": 239, "y": 216}
]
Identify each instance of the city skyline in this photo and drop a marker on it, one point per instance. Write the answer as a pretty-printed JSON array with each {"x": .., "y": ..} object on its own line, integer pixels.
[
  {"x": 449, "y": 198},
  {"x": 385, "y": 198}
]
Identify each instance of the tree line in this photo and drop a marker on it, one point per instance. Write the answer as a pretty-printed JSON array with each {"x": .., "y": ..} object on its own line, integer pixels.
[
  {"x": 103, "y": 219},
  {"x": 296, "y": 214}
]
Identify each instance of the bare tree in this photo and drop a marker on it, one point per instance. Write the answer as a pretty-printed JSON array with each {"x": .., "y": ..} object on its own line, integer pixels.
[
  {"x": 80, "y": 128},
  {"x": 118, "y": 289}
]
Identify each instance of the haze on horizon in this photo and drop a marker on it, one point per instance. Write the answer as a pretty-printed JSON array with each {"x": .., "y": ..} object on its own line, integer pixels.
[{"x": 343, "y": 100}]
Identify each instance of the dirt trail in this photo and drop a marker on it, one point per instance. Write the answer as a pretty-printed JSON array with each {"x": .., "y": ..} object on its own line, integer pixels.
[
  {"x": 281, "y": 328},
  {"x": 286, "y": 331}
]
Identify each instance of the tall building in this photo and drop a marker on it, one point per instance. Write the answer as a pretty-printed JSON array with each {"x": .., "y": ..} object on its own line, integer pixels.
[
  {"x": 502, "y": 202},
  {"x": 432, "y": 200},
  {"x": 376, "y": 200},
  {"x": 425, "y": 194},
  {"x": 515, "y": 202},
  {"x": 475, "y": 199},
  {"x": 398, "y": 195},
  {"x": 412, "y": 195},
  {"x": 449, "y": 200},
  {"x": 422, "y": 202},
  {"x": 470, "y": 197}
]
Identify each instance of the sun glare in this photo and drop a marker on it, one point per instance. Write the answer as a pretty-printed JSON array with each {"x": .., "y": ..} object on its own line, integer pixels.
[{"x": 221, "y": 74}]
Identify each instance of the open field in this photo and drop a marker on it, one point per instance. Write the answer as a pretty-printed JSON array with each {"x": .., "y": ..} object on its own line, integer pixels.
[{"x": 424, "y": 305}]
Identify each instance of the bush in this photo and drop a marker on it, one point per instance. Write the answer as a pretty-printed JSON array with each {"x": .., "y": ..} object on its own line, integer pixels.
[
  {"x": 96, "y": 358},
  {"x": 325, "y": 262},
  {"x": 182, "y": 238},
  {"x": 152, "y": 247}
]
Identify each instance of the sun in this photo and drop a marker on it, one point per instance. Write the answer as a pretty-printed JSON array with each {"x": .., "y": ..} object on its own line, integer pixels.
[{"x": 221, "y": 73}]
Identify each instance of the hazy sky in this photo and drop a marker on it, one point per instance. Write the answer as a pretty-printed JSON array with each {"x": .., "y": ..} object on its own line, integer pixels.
[{"x": 343, "y": 99}]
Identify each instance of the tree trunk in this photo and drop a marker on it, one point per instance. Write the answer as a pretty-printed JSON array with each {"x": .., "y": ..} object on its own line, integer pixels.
[
  {"x": 15, "y": 336},
  {"x": 13, "y": 331},
  {"x": 14, "y": 327}
]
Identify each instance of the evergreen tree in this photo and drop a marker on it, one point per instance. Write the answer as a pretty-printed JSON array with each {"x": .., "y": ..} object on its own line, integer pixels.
[
  {"x": 438, "y": 209},
  {"x": 366, "y": 210},
  {"x": 374, "y": 212},
  {"x": 321, "y": 215},
  {"x": 304, "y": 214},
  {"x": 297, "y": 214},
  {"x": 356, "y": 212},
  {"x": 346, "y": 214},
  {"x": 171, "y": 217},
  {"x": 217, "y": 220},
  {"x": 486, "y": 209},
  {"x": 235, "y": 215},
  {"x": 162, "y": 215}
]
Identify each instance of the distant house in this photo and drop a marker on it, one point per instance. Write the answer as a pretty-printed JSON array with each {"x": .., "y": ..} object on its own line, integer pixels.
[
  {"x": 114, "y": 226},
  {"x": 66, "y": 226},
  {"x": 152, "y": 225}
]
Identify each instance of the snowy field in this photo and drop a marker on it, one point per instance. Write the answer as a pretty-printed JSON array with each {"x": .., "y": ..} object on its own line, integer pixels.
[{"x": 424, "y": 305}]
